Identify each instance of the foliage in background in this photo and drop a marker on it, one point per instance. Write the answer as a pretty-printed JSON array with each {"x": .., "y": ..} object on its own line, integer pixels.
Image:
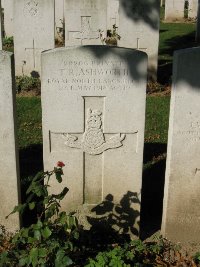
[
  {"x": 26, "y": 83},
  {"x": 51, "y": 239},
  {"x": 8, "y": 44}
]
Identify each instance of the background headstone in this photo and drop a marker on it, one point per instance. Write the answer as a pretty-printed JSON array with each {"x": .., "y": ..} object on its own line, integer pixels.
[
  {"x": 9, "y": 168},
  {"x": 113, "y": 14},
  {"x": 59, "y": 19},
  {"x": 92, "y": 93},
  {"x": 174, "y": 9},
  {"x": 83, "y": 21},
  {"x": 181, "y": 211},
  {"x": 8, "y": 17},
  {"x": 193, "y": 7},
  {"x": 139, "y": 29},
  {"x": 33, "y": 32}
]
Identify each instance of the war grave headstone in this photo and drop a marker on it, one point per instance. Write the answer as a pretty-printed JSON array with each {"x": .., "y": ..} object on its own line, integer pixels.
[
  {"x": 192, "y": 11},
  {"x": 84, "y": 20},
  {"x": 174, "y": 9},
  {"x": 34, "y": 30},
  {"x": 113, "y": 14},
  {"x": 8, "y": 17},
  {"x": 93, "y": 103},
  {"x": 181, "y": 211},
  {"x": 139, "y": 29},
  {"x": 9, "y": 168},
  {"x": 59, "y": 19}
]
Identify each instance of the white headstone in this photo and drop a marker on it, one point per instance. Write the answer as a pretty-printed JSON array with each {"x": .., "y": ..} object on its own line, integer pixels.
[
  {"x": 93, "y": 101},
  {"x": 8, "y": 17},
  {"x": 192, "y": 11},
  {"x": 113, "y": 14},
  {"x": 9, "y": 157},
  {"x": 33, "y": 33},
  {"x": 181, "y": 211},
  {"x": 59, "y": 19},
  {"x": 139, "y": 29},
  {"x": 84, "y": 19},
  {"x": 174, "y": 9}
]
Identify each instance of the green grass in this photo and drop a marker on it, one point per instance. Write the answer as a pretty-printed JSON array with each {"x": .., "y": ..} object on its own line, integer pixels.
[{"x": 29, "y": 121}]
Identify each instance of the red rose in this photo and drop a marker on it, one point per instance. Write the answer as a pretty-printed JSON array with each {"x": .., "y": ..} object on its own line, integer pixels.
[{"x": 60, "y": 164}]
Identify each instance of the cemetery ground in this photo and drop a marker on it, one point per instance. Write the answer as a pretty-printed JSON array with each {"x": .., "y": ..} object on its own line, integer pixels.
[{"x": 161, "y": 253}]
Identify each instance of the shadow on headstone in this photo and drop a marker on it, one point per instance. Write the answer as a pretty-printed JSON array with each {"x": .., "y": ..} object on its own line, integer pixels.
[{"x": 113, "y": 223}]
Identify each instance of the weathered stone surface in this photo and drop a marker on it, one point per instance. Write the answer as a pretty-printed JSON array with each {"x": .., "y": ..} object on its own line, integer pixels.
[
  {"x": 193, "y": 7},
  {"x": 33, "y": 33},
  {"x": 84, "y": 19},
  {"x": 1, "y": 28},
  {"x": 139, "y": 29},
  {"x": 174, "y": 9},
  {"x": 8, "y": 17},
  {"x": 181, "y": 211},
  {"x": 9, "y": 196},
  {"x": 93, "y": 101},
  {"x": 113, "y": 14}
]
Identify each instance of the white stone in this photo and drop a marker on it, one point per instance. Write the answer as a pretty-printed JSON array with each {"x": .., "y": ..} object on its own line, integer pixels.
[
  {"x": 33, "y": 33},
  {"x": 92, "y": 93},
  {"x": 139, "y": 29},
  {"x": 59, "y": 19},
  {"x": 8, "y": 17},
  {"x": 174, "y": 9},
  {"x": 193, "y": 6},
  {"x": 113, "y": 14},
  {"x": 181, "y": 211},
  {"x": 84, "y": 19},
  {"x": 9, "y": 168}
]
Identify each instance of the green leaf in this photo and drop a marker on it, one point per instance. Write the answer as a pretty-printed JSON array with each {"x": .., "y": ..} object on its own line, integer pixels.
[
  {"x": 23, "y": 261},
  {"x": 46, "y": 232},
  {"x": 31, "y": 205},
  {"x": 37, "y": 234},
  {"x": 42, "y": 252},
  {"x": 34, "y": 256},
  {"x": 62, "y": 260},
  {"x": 20, "y": 208},
  {"x": 58, "y": 176}
]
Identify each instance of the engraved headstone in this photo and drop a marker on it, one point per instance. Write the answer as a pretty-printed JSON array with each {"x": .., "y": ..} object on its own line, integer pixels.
[
  {"x": 113, "y": 14},
  {"x": 174, "y": 9},
  {"x": 8, "y": 17},
  {"x": 93, "y": 101},
  {"x": 181, "y": 211},
  {"x": 33, "y": 33},
  {"x": 84, "y": 20},
  {"x": 9, "y": 195},
  {"x": 139, "y": 29},
  {"x": 192, "y": 10}
]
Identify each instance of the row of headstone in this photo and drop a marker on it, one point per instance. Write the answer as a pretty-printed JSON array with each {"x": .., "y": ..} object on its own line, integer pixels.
[
  {"x": 175, "y": 9},
  {"x": 93, "y": 105},
  {"x": 86, "y": 22}
]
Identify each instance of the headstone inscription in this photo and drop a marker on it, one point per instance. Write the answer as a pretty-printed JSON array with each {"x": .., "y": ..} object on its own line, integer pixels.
[
  {"x": 85, "y": 20},
  {"x": 8, "y": 17},
  {"x": 181, "y": 211},
  {"x": 93, "y": 102},
  {"x": 138, "y": 32},
  {"x": 174, "y": 9},
  {"x": 9, "y": 168},
  {"x": 33, "y": 33}
]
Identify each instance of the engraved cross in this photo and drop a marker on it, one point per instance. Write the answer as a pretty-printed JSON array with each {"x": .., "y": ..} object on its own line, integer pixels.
[
  {"x": 34, "y": 51},
  {"x": 86, "y": 31},
  {"x": 138, "y": 45}
]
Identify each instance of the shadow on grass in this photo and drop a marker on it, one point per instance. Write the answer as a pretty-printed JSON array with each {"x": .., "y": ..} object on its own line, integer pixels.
[
  {"x": 31, "y": 162},
  {"x": 152, "y": 190}
]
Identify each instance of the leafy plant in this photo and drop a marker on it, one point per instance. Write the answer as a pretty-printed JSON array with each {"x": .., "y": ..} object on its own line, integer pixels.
[
  {"x": 112, "y": 36},
  {"x": 50, "y": 240},
  {"x": 8, "y": 43},
  {"x": 26, "y": 83}
]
